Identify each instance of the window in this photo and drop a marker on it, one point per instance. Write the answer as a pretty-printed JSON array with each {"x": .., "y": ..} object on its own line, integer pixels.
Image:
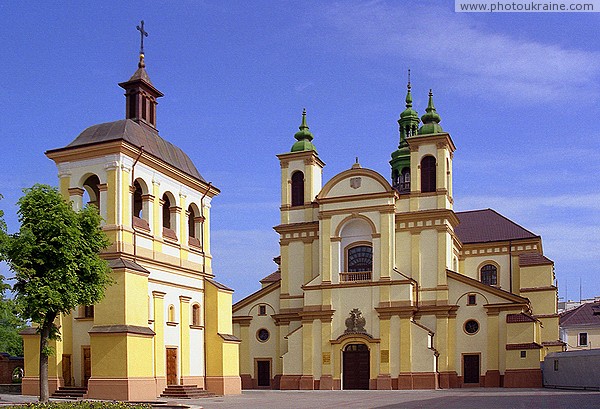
[
  {"x": 360, "y": 258},
  {"x": 88, "y": 311},
  {"x": 405, "y": 180},
  {"x": 196, "y": 315},
  {"x": 428, "y": 174},
  {"x": 489, "y": 274},
  {"x": 166, "y": 212},
  {"x": 297, "y": 188},
  {"x": 191, "y": 222},
  {"x": 471, "y": 299},
  {"x": 262, "y": 310},
  {"x": 556, "y": 364},
  {"x": 523, "y": 354},
  {"x": 263, "y": 335},
  {"x": 471, "y": 327},
  {"x": 583, "y": 339},
  {"x": 137, "y": 200},
  {"x": 92, "y": 188}
]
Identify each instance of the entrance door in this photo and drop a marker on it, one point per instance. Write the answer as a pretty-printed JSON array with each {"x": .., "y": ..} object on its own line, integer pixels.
[
  {"x": 66, "y": 369},
  {"x": 471, "y": 369},
  {"x": 263, "y": 373},
  {"x": 87, "y": 365},
  {"x": 356, "y": 369},
  {"x": 171, "y": 366}
]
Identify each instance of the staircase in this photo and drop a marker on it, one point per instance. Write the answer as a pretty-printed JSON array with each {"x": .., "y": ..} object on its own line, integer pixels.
[
  {"x": 185, "y": 392},
  {"x": 69, "y": 392}
]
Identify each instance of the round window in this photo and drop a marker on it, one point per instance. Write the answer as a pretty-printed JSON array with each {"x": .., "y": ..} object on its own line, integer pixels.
[
  {"x": 262, "y": 335},
  {"x": 471, "y": 327}
]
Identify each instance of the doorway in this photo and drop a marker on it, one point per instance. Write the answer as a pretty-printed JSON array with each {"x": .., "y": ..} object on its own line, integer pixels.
[
  {"x": 87, "y": 365},
  {"x": 263, "y": 373},
  {"x": 171, "y": 366},
  {"x": 471, "y": 369},
  {"x": 356, "y": 367},
  {"x": 66, "y": 370}
]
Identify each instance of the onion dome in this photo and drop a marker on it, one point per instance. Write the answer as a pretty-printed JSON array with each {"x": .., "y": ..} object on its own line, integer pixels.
[
  {"x": 304, "y": 137},
  {"x": 431, "y": 119}
]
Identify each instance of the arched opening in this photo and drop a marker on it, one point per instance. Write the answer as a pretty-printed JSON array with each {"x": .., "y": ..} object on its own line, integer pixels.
[
  {"x": 404, "y": 185},
  {"x": 489, "y": 274},
  {"x": 168, "y": 218},
  {"x": 356, "y": 250},
  {"x": 360, "y": 258},
  {"x": 356, "y": 366},
  {"x": 140, "y": 210},
  {"x": 194, "y": 226},
  {"x": 196, "y": 315},
  {"x": 428, "y": 182},
  {"x": 137, "y": 200},
  {"x": 92, "y": 191},
  {"x": 297, "y": 188},
  {"x": 171, "y": 314}
]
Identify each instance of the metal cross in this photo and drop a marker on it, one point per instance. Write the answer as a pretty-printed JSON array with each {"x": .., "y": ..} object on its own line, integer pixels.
[{"x": 143, "y": 34}]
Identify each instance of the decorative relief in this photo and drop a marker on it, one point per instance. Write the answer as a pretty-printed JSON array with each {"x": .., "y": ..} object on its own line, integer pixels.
[
  {"x": 355, "y": 323},
  {"x": 326, "y": 358},
  {"x": 355, "y": 182}
]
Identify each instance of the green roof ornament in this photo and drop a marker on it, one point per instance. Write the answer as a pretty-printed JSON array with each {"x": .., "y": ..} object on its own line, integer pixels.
[
  {"x": 431, "y": 119},
  {"x": 304, "y": 137}
]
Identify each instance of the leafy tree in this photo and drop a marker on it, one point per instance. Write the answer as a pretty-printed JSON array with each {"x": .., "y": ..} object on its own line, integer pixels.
[{"x": 55, "y": 257}]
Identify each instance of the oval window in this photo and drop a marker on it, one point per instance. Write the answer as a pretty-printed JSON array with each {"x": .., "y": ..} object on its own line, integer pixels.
[
  {"x": 471, "y": 327},
  {"x": 262, "y": 335}
]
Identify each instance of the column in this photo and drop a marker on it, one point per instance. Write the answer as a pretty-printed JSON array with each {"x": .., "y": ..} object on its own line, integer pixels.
[{"x": 184, "y": 340}]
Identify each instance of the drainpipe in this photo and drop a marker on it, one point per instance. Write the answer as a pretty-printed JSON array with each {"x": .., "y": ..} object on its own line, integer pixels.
[
  {"x": 202, "y": 229},
  {"x": 510, "y": 274},
  {"x": 132, "y": 203}
]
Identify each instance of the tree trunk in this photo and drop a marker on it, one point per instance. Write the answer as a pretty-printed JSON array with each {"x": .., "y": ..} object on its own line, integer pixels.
[{"x": 44, "y": 336}]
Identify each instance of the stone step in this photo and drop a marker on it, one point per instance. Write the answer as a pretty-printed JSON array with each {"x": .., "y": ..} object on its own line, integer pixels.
[{"x": 185, "y": 392}]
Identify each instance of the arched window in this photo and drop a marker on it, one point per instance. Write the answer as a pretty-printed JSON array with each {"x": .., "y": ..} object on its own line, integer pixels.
[
  {"x": 404, "y": 180},
  {"x": 489, "y": 274},
  {"x": 297, "y": 188},
  {"x": 428, "y": 183},
  {"x": 137, "y": 200},
  {"x": 196, "y": 315},
  {"x": 166, "y": 212},
  {"x": 360, "y": 258},
  {"x": 93, "y": 190},
  {"x": 191, "y": 222}
]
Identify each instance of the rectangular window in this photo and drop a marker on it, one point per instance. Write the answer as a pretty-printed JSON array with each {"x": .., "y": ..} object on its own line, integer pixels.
[
  {"x": 472, "y": 299},
  {"x": 583, "y": 341},
  {"x": 556, "y": 364},
  {"x": 262, "y": 310},
  {"x": 523, "y": 354}
]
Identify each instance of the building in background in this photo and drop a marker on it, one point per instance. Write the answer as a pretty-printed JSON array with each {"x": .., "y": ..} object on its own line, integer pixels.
[
  {"x": 383, "y": 286},
  {"x": 580, "y": 326},
  {"x": 164, "y": 321}
]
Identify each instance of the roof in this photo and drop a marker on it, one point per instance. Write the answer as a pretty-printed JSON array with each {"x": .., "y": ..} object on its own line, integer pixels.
[
  {"x": 276, "y": 276},
  {"x": 522, "y": 317},
  {"x": 533, "y": 259},
  {"x": 117, "y": 263},
  {"x": 219, "y": 285},
  {"x": 586, "y": 314},
  {"x": 138, "y": 135},
  {"x": 487, "y": 225}
]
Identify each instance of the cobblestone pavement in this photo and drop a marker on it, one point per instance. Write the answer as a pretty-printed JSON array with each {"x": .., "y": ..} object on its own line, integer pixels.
[{"x": 491, "y": 398}]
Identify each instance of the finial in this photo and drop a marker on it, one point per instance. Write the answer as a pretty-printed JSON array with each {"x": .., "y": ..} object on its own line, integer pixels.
[
  {"x": 303, "y": 124},
  {"x": 141, "y": 64},
  {"x": 143, "y": 33},
  {"x": 356, "y": 165},
  {"x": 431, "y": 119},
  {"x": 303, "y": 136},
  {"x": 356, "y": 160},
  {"x": 408, "y": 86}
]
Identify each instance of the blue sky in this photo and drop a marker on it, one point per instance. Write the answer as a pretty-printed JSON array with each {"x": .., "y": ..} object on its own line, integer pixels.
[{"x": 518, "y": 92}]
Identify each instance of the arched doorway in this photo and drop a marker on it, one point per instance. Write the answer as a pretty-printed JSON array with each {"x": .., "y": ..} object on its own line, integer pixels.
[{"x": 356, "y": 368}]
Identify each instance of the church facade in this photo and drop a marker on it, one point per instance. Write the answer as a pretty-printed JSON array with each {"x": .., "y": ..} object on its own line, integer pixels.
[
  {"x": 164, "y": 321},
  {"x": 384, "y": 286}
]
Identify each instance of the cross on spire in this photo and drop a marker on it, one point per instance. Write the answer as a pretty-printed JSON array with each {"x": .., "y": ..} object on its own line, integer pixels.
[{"x": 143, "y": 33}]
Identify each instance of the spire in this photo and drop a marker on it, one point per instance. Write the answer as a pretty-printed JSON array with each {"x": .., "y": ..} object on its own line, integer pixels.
[
  {"x": 431, "y": 119},
  {"x": 140, "y": 94},
  {"x": 409, "y": 118},
  {"x": 304, "y": 137}
]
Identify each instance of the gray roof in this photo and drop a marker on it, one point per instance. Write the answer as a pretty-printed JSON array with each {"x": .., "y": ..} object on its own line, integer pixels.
[{"x": 138, "y": 135}]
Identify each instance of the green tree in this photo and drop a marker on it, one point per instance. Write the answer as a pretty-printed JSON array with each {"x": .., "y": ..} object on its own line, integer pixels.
[{"x": 55, "y": 257}]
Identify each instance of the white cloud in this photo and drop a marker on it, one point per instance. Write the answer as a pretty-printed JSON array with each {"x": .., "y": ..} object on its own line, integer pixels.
[{"x": 475, "y": 58}]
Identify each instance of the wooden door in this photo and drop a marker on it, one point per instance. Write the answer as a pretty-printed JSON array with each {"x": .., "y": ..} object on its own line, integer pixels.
[
  {"x": 356, "y": 367},
  {"x": 66, "y": 370},
  {"x": 263, "y": 373},
  {"x": 471, "y": 369},
  {"x": 87, "y": 365},
  {"x": 171, "y": 366}
]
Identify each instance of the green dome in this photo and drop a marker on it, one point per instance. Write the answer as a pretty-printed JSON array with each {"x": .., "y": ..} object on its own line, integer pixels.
[
  {"x": 304, "y": 137},
  {"x": 431, "y": 120}
]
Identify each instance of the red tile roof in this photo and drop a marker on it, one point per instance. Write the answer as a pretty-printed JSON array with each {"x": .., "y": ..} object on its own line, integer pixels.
[
  {"x": 487, "y": 225},
  {"x": 529, "y": 345},
  {"x": 586, "y": 314},
  {"x": 522, "y": 317},
  {"x": 533, "y": 259}
]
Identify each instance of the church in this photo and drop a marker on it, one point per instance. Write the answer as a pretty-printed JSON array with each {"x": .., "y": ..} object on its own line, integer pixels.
[
  {"x": 382, "y": 285},
  {"x": 165, "y": 325}
]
